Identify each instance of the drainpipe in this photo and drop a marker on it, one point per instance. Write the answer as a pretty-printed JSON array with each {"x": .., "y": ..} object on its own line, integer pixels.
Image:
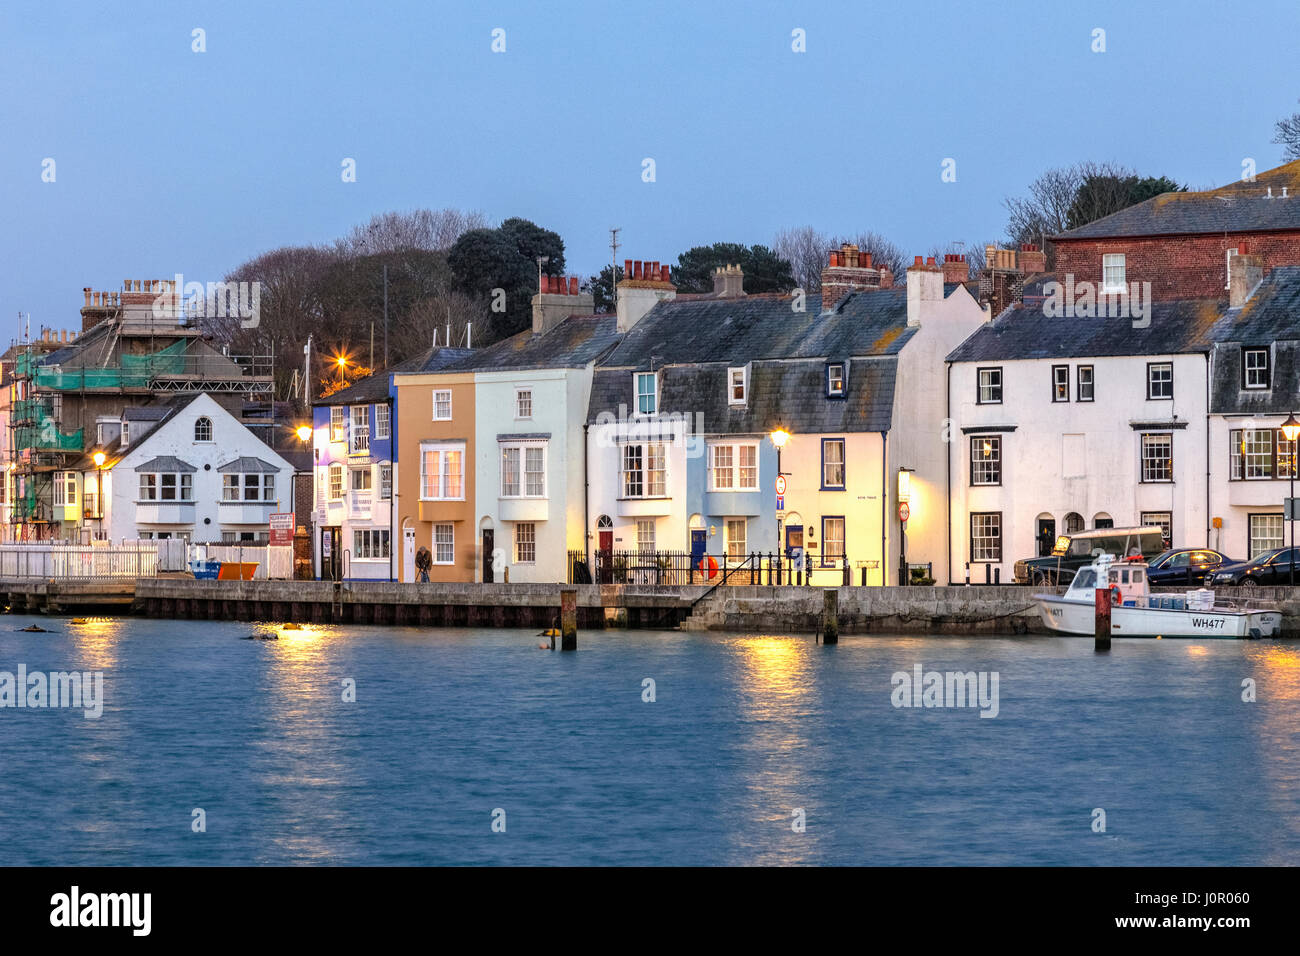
[
  {"x": 1207, "y": 449},
  {"x": 884, "y": 504},
  {"x": 947, "y": 478},
  {"x": 586, "y": 493}
]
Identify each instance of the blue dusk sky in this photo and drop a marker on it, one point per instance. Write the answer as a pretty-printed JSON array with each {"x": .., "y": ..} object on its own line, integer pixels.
[{"x": 172, "y": 161}]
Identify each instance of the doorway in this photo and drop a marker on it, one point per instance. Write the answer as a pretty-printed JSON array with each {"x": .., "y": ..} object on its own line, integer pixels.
[
  {"x": 489, "y": 545},
  {"x": 1046, "y": 536},
  {"x": 331, "y": 558},
  {"x": 408, "y": 554}
]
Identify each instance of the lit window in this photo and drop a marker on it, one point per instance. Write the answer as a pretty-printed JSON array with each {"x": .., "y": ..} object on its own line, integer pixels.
[
  {"x": 1157, "y": 457},
  {"x": 736, "y": 528},
  {"x": 644, "y": 472},
  {"x": 835, "y": 380},
  {"x": 736, "y": 380},
  {"x": 1060, "y": 383},
  {"x": 336, "y": 423},
  {"x": 336, "y": 482},
  {"x": 441, "y": 472},
  {"x": 986, "y": 460},
  {"x": 833, "y": 463},
  {"x": 832, "y": 542}
]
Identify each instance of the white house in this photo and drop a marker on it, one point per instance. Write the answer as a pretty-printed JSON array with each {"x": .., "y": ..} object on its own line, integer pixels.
[{"x": 196, "y": 472}]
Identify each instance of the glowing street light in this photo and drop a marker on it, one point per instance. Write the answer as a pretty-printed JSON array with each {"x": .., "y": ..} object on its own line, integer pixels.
[{"x": 304, "y": 432}]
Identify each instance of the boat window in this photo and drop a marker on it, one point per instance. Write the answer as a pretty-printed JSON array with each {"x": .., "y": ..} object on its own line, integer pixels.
[
  {"x": 1137, "y": 575},
  {"x": 1086, "y": 578},
  {"x": 1123, "y": 576}
]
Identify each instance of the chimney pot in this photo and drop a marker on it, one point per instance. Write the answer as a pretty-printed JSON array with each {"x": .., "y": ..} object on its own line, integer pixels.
[
  {"x": 867, "y": 264},
  {"x": 835, "y": 259},
  {"x": 627, "y": 268},
  {"x": 664, "y": 274},
  {"x": 919, "y": 261},
  {"x": 573, "y": 285},
  {"x": 86, "y": 290}
]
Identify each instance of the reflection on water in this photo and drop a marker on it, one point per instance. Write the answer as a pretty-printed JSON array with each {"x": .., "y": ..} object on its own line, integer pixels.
[{"x": 449, "y": 724}]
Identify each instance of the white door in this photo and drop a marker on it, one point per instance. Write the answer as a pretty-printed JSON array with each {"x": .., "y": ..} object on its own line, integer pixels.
[{"x": 408, "y": 555}]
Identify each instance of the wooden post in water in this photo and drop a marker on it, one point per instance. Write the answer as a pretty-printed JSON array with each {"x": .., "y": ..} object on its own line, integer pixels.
[
  {"x": 1101, "y": 627},
  {"x": 831, "y": 616},
  {"x": 568, "y": 619}
]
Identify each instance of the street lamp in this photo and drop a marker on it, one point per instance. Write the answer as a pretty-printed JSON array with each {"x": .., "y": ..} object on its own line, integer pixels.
[
  {"x": 904, "y": 513},
  {"x": 304, "y": 432},
  {"x": 342, "y": 361},
  {"x": 779, "y": 438},
  {"x": 1291, "y": 429},
  {"x": 99, "y": 458}
]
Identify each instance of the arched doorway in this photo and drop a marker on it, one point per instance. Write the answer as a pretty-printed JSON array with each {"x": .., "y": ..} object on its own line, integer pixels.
[
  {"x": 1073, "y": 523},
  {"x": 1045, "y": 533},
  {"x": 488, "y": 545},
  {"x": 604, "y": 549},
  {"x": 1103, "y": 520}
]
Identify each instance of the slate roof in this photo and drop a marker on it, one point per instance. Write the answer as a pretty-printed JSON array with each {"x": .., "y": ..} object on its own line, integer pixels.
[
  {"x": 440, "y": 358},
  {"x": 167, "y": 463},
  {"x": 1269, "y": 319},
  {"x": 1237, "y": 207},
  {"x": 246, "y": 465},
  {"x": 572, "y": 343},
  {"x": 372, "y": 388},
  {"x": 1026, "y": 331},
  {"x": 765, "y": 327}
]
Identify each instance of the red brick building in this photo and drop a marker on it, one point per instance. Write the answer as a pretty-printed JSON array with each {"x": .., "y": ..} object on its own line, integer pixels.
[{"x": 1181, "y": 242}]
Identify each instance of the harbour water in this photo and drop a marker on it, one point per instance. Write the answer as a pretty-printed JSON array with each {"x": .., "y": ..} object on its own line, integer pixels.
[{"x": 449, "y": 726}]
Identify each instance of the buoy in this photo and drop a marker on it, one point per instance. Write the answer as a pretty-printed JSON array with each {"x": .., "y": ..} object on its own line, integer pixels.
[
  {"x": 291, "y": 627},
  {"x": 550, "y": 632}
]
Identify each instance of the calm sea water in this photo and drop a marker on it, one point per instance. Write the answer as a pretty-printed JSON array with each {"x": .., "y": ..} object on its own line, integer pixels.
[{"x": 449, "y": 725}]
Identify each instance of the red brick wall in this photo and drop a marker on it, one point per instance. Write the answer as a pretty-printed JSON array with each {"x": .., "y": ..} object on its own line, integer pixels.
[{"x": 1177, "y": 266}]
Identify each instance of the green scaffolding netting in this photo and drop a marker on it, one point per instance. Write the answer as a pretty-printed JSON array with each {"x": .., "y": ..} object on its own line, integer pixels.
[{"x": 135, "y": 371}]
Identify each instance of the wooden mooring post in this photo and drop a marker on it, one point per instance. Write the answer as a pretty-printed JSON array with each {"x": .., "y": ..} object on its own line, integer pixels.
[
  {"x": 1101, "y": 626},
  {"x": 831, "y": 616},
  {"x": 568, "y": 619}
]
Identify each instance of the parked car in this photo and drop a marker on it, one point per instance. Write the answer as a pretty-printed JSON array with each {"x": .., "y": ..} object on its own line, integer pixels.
[
  {"x": 1271, "y": 567},
  {"x": 1188, "y": 566},
  {"x": 1075, "y": 551}
]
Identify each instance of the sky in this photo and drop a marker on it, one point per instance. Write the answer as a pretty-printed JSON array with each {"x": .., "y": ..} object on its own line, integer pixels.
[{"x": 167, "y": 160}]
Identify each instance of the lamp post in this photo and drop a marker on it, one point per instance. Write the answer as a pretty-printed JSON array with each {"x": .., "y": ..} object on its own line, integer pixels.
[
  {"x": 779, "y": 439},
  {"x": 99, "y": 459},
  {"x": 303, "y": 432},
  {"x": 904, "y": 513},
  {"x": 1291, "y": 429}
]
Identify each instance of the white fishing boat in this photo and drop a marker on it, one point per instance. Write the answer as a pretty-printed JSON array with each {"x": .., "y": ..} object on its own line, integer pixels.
[{"x": 1135, "y": 612}]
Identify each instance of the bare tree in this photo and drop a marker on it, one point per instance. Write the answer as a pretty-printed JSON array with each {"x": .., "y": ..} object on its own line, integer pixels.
[
  {"x": 1045, "y": 211},
  {"x": 884, "y": 252},
  {"x": 807, "y": 250},
  {"x": 425, "y": 229},
  {"x": 1287, "y": 135}
]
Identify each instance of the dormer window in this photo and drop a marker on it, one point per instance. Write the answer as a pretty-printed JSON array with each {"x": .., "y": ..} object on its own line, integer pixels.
[
  {"x": 1254, "y": 369},
  {"x": 126, "y": 433},
  {"x": 737, "y": 382},
  {"x": 647, "y": 393},
  {"x": 1114, "y": 273},
  {"x": 835, "y": 380}
]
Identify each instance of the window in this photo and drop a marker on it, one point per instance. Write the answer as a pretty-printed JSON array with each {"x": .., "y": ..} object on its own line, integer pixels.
[
  {"x": 126, "y": 433},
  {"x": 1259, "y": 453},
  {"x": 1165, "y": 520},
  {"x": 523, "y": 403},
  {"x": 148, "y": 488},
  {"x": 736, "y": 381},
  {"x": 65, "y": 488},
  {"x": 1060, "y": 383},
  {"x": 531, "y": 481},
  {"x": 167, "y": 487},
  {"x": 1114, "y": 273},
  {"x": 359, "y": 439},
  {"x": 1084, "y": 376},
  {"x": 645, "y": 534},
  {"x": 1157, "y": 457},
  {"x": 736, "y": 539},
  {"x": 370, "y": 544},
  {"x": 986, "y": 536},
  {"x": 644, "y": 471},
  {"x": 203, "y": 429},
  {"x": 525, "y": 543},
  {"x": 990, "y": 386},
  {"x": 1254, "y": 368},
  {"x": 986, "y": 460},
  {"x": 252, "y": 486},
  {"x": 1073, "y": 523},
  {"x": 336, "y": 482},
  {"x": 336, "y": 423},
  {"x": 833, "y": 463},
  {"x": 832, "y": 542},
  {"x": 444, "y": 543},
  {"x": 1265, "y": 533},
  {"x": 385, "y": 482},
  {"x": 89, "y": 494},
  {"x": 835, "y": 380},
  {"x": 1160, "y": 381},
  {"x": 361, "y": 479},
  {"x": 441, "y": 473},
  {"x": 442, "y": 405},
  {"x": 647, "y": 393},
  {"x": 383, "y": 422},
  {"x": 733, "y": 467}
]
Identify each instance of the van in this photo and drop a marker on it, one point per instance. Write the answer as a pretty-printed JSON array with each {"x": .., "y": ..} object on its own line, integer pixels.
[{"x": 1074, "y": 551}]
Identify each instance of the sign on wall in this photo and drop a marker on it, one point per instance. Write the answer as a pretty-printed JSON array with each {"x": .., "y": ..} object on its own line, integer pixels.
[{"x": 282, "y": 529}]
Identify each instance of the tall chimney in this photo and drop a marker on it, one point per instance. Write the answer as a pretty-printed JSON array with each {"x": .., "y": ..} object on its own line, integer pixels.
[
  {"x": 924, "y": 285},
  {"x": 849, "y": 270},
  {"x": 558, "y": 298},
  {"x": 955, "y": 268},
  {"x": 1245, "y": 272},
  {"x": 643, "y": 286}
]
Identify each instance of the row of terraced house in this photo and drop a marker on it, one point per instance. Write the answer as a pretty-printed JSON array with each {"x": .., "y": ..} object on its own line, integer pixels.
[{"x": 935, "y": 424}]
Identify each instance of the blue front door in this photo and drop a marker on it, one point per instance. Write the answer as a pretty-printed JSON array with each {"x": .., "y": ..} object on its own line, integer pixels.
[{"x": 698, "y": 546}]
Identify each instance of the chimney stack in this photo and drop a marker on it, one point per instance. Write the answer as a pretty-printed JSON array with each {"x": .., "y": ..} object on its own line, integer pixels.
[
  {"x": 558, "y": 297},
  {"x": 728, "y": 282},
  {"x": 645, "y": 283},
  {"x": 955, "y": 268},
  {"x": 1245, "y": 272},
  {"x": 850, "y": 270},
  {"x": 1032, "y": 259},
  {"x": 924, "y": 285}
]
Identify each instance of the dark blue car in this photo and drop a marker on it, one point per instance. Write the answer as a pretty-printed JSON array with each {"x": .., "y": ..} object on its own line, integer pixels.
[
  {"x": 1186, "y": 566},
  {"x": 1272, "y": 567}
]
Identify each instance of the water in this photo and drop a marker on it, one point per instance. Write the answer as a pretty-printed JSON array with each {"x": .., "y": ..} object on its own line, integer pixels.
[{"x": 449, "y": 725}]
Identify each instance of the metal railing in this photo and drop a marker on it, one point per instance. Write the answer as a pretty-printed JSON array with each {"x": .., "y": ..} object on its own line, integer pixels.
[{"x": 673, "y": 568}]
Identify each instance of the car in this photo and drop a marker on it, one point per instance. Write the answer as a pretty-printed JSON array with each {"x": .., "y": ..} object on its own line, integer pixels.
[
  {"x": 1270, "y": 567},
  {"x": 1075, "y": 551},
  {"x": 1188, "y": 566}
]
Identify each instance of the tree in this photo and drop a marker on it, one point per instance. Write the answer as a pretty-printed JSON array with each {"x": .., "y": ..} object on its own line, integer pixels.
[
  {"x": 1287, "y": 134},
  {"x": 1106, "y": 190},
  {"x": 427, "y": 229},
  {"x": 602, "y": 289},
  {"x": 764, "y": 270}
]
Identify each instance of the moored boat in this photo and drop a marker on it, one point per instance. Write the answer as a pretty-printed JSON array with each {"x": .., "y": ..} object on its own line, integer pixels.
[{"x": 1135, "y": 612}]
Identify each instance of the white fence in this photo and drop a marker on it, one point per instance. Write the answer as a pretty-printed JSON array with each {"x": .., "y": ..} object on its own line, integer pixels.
[
  {"x": 102, "y": 559},
  {"x": 272, "y": 562}
]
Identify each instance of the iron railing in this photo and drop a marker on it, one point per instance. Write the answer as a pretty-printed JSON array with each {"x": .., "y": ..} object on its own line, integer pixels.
[{"x": 674, "y": 568}]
